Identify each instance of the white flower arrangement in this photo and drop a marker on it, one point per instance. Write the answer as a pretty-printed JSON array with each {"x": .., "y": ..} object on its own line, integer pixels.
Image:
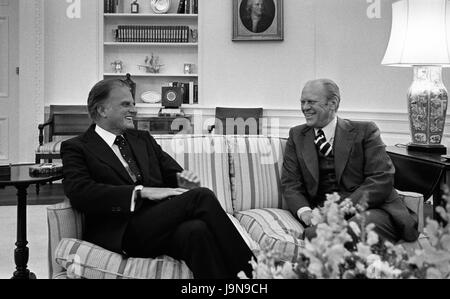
[{"x": 329, "y": 256}]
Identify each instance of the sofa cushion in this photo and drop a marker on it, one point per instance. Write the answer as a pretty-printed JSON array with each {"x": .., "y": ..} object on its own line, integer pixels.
[
  {"x": 85, "y": 260},
  {"x": 245, "y": 235},
  {"x": 273, "y": 229},
  {"x": 206, "y": 156},
  {"x": 53, "y": 147},
  {"x": 63, "y": 222},
  {"x": 255, "y": 165},
  {"x": 414, "y": 202}
]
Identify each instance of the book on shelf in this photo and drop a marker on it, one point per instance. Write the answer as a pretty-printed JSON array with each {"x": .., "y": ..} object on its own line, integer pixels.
[
  {"x": 111, "y": 6},
  {"x": 185, "y": 87},
  {"x": 187, "y": 6},
  {"x": 181, "y": 7},
  {"x": 189, "y": 91},
  {"x": 152, "y": 34},
  {"x": 195, "y": 93}
]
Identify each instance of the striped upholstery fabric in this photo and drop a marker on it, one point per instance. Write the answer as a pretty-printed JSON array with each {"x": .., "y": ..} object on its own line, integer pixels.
[
  {"x": 206, "y": 156},
  {"x": 255, "y": 164},
  {"x": 85, "y": 260},
  {"x": 414, "y": 201},
  {"x": 61, "y": 275},
  {"x": 63, "y": 222},
  {"x": 53, "y": 147},
  {"x": 245, "y": 235},
  {"x": 273, "y": 229}
]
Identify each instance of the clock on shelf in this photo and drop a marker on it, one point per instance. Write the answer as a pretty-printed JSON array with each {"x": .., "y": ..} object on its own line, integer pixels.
[{"x": 160, "y": 6}]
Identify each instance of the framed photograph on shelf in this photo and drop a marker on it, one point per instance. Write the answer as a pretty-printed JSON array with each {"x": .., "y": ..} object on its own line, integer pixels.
[{"x": 258, "y": 20}]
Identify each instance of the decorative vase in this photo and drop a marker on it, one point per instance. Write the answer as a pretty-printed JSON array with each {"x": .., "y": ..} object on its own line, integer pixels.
[{"x": 427, "y": 106}]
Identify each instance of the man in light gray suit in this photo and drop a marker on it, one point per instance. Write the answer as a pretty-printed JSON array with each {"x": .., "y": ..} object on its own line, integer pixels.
[{"x": 329, "y": 154}]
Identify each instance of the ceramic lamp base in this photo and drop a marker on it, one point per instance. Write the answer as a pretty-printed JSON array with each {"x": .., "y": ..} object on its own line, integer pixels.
[{"x": 427, "y": 107}]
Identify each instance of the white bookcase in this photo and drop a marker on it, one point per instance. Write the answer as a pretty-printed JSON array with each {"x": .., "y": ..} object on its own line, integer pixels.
[{"x": 173, "y": 56}]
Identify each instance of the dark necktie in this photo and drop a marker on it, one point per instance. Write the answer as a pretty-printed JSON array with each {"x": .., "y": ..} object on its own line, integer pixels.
[
  {"x": 127, "y": 155},
  {"x": 323, "y": 146}
]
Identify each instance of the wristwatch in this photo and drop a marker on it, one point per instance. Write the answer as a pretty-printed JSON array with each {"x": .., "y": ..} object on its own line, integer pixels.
[{"x": 138, "y": 190}]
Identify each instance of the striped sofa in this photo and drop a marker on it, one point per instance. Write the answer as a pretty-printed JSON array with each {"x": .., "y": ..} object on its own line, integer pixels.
[{"x": 243, "y": 171}]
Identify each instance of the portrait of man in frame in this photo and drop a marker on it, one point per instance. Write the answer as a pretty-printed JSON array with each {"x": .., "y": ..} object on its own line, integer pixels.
[{"x": 257, "y": 20}]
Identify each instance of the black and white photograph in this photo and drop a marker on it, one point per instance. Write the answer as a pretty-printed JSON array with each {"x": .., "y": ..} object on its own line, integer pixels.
[{"x": 224, "y": 148}]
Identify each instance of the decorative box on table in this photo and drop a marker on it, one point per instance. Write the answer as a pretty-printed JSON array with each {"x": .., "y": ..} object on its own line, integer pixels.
[{"x": 46, "y": 169}]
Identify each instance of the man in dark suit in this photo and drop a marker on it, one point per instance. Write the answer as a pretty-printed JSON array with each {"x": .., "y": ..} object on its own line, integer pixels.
[
  {"x": 329, "y": 154},
  {"x": 127, "y": 188}
]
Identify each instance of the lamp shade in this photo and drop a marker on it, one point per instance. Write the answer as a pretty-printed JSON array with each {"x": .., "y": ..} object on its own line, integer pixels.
[{"x": 420, "y": 33}]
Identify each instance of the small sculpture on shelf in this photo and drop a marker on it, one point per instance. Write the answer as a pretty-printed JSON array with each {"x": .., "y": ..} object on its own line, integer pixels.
[
  {"x": 151, "y": 64},
  {"x": 134, "y": 7},
  {"x": 131, "y": 84},
  {"x": 117, "y": 66}
]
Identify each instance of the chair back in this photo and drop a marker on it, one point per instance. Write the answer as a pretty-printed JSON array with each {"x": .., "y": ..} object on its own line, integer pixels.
[
  {"x": 238, "y": 121},
  {"x": 68, "y": 120}
]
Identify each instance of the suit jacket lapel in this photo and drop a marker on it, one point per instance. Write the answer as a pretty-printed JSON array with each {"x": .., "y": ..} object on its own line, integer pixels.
[
  {"x": 310, "y": 153},
  {"x": 343, "y": 143},
  {"x": 103, "y": 152},
  {"x": 139, "y": 149}
]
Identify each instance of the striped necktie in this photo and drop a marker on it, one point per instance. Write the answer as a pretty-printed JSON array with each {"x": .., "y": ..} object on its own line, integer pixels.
[{"x": 322, "y": 144}]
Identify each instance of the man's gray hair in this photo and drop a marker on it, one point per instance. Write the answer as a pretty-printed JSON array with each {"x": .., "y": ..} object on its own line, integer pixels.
[{"x": 99, "y": 93}]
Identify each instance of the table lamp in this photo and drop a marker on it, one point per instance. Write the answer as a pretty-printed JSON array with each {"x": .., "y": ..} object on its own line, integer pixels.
[{"x": 420, "y": 38}]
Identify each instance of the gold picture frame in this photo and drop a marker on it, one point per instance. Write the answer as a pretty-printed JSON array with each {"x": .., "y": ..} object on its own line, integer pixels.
[{"x": 258, "y": 20}]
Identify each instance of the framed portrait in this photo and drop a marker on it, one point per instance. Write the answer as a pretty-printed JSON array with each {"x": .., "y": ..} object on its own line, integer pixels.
[{"x": 258, "y": 20}]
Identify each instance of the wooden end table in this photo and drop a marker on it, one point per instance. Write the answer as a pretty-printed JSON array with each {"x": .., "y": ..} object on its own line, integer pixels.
[
  {"x": 420, "y": 172},
  {"x": 21, "y": 180}
]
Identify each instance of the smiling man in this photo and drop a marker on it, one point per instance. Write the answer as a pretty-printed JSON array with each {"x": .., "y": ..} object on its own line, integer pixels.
[
  {"x": 127, "y": 188},
  {"x": 329, "y": 154}
]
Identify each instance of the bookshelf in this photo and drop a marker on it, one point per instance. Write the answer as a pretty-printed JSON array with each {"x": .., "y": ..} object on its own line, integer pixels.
[{"x": 139, "y": 44}]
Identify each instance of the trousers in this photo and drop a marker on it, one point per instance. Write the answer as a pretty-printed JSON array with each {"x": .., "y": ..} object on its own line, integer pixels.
[{"x": 191, "y": 227}]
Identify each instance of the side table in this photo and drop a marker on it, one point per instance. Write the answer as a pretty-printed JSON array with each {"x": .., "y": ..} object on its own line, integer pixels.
[
  {"x": 164, "y": 124},
  {"x": 420, "y": 172},
  {"x": 20, "y": 178}
]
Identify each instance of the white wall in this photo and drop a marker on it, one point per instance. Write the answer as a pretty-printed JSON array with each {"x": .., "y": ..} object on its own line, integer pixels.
[
  {"x": 323, "y": 38},
  {"x": 266, "y": 74},
  {"x": 71, "y": 52}
]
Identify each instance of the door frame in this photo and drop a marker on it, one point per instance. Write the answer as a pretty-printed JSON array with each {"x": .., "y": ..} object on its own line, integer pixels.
[{"x": 31, "y": 79}]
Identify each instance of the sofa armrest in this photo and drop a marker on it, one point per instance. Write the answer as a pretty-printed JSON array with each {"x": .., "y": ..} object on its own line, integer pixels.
[
  {"x": 414, "y": 201},
  {"x": 63, "y": 222}
]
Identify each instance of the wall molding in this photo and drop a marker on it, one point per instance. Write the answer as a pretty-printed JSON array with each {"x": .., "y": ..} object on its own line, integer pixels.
[
  {"x": 394, "y": 125},
  {"x": 32, "y": 50},
  {"x": 4, "y": 138},
  {"x": 38, "y": 60},
  {"x": 4, "y": 86}
]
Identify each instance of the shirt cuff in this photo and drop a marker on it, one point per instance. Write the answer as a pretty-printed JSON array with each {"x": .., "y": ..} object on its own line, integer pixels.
[
  {"x": 133, "y": 197},
  {"x": 302, "y": 210}
]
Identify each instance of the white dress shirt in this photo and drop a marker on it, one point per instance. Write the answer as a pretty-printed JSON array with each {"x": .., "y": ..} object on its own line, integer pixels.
[
  {"x": 110, "y": 138},
  {"x": 329, "y": 132}
]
